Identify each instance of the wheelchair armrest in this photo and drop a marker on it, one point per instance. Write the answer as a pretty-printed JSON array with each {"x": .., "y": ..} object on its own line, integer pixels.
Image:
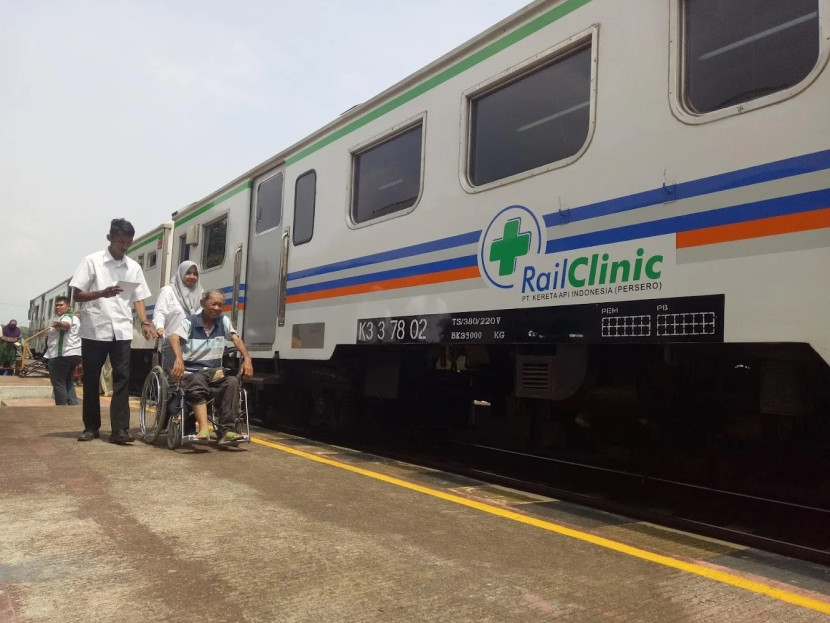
[{"x": 230, "y": 356}]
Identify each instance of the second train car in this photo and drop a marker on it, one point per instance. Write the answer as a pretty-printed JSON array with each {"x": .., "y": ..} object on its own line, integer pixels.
[{"x": 583, "y": 200}]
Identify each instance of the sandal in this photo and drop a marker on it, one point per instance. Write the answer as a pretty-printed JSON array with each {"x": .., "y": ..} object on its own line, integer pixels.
[
  {"x": 230, "y": 438},
  {"x": 204, "y": 434}
]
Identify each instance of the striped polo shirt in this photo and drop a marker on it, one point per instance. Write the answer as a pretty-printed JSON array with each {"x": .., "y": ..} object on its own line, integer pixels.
[{"x": 201, "y": 349}]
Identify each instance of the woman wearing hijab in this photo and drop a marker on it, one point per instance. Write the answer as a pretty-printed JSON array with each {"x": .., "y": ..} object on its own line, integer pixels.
[
  {"x": 8, "y": 348},
  {"x": 178, "y": 300}
]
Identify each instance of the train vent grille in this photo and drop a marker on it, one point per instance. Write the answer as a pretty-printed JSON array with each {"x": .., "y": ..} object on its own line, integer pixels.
[{"x": 534, "y": 377}]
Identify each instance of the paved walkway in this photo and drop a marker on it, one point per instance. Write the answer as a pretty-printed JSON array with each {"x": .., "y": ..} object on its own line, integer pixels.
[{"x": 290, "y": 530}]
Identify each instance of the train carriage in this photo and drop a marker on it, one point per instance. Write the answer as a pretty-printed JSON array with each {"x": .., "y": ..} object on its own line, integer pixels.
[
  {"x": 213, "y": 234},
  {"x": 561, "y": 181},
  {"x": 583, "y": 196}
]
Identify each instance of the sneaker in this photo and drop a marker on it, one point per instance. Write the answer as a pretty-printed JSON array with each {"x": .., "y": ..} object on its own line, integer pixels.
[{"x": 230, "y": 438}]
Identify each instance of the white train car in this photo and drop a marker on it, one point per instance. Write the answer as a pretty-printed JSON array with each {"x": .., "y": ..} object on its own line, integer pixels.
[
  {"x": 581, "y": 187},
  {"x": 212, "y": 233},
  {"x": 153, "y": 252},
  {"x": 577, "y": 175}
]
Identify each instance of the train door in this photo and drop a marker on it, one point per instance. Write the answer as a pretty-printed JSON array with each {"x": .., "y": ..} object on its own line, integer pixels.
[{"x": 262, "y": 283}]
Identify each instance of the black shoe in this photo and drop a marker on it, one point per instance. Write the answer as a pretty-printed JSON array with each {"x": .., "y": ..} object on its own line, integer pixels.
[
  {"x": 121, "y": 436},
  {"x": 89, "y": 435}
]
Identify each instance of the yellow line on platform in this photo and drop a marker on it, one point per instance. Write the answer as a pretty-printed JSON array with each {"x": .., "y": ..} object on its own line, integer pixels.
[{"x": 712, "y": 574}]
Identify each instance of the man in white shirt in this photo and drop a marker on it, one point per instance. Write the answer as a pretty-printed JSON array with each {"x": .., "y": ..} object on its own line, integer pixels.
[
  {"x": 63, "y": 350},
  {"x": 106, "y": 283}
]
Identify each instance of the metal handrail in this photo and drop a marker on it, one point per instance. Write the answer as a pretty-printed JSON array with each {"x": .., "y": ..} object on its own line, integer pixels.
[{"x": 25, "y": 347}]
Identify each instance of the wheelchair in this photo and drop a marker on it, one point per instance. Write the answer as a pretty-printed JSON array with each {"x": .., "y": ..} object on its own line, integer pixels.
[{"x": 163, "y": 409}]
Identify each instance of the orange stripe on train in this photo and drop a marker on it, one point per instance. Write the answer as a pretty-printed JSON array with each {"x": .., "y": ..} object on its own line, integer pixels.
[
  {"x": 390, "y": 284},
  {"x": 773, "y": 226}
]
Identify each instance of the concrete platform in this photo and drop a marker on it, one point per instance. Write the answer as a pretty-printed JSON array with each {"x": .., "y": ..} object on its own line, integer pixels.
[
  {"x": 285, "y": 529},
  {"x": 25, "y": 392}
]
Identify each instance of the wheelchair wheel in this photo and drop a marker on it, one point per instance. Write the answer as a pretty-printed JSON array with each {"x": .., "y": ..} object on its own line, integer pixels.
[
  {"x": 153, "y": 406},
  {"x": 174, "y": 431}
]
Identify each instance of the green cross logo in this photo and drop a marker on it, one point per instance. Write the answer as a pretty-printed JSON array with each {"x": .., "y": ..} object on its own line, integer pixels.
[{"x": 512, "y": 245}]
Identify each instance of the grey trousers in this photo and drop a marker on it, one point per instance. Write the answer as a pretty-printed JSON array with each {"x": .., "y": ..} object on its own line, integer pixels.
[
  {"x": 224, "y": 392},
  {"x": 63, "y": 384}
]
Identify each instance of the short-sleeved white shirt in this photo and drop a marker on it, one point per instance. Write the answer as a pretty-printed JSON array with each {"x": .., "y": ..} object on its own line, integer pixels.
[
  {"x": 168, "y": 313},
  {"x": 64, "y": 343},
  {"x": 105, "y": 319}
]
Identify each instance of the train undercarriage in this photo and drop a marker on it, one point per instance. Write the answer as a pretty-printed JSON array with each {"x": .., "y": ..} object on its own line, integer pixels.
[{"x": 742, "y": 426}]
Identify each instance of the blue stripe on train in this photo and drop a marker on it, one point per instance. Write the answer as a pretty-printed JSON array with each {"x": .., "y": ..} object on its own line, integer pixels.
[
  {"x": 781, "y": 206},
  {"x": 695, "y": 188},
  {"x": 406, "y": 271},
  {"x": 417, "y": 249},
  {"x": 780, "y": 169},
  {"x": 228, "y": 301}
]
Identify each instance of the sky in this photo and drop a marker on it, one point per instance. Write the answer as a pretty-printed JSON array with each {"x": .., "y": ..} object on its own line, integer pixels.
[{"x": 136, "y": 109}]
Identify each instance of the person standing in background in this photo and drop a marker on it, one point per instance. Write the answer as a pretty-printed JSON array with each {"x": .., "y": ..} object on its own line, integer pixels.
[
  {"x": 8, "y": 346},
  {"x": 107, "y": 327},
  {"x": 63, "y": 350}
]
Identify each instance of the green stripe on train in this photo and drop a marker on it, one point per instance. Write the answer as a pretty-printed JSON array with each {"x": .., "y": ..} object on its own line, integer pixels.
[
  {"x": 215, "y": 202},
  {"x": 471, "y": 61}
]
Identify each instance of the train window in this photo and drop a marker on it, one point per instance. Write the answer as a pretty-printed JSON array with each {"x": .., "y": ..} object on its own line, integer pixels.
[
  {"x": 542, "y": 117},
  {"x": 269, "y": 204},
  {"x": 140, "y": 260},
  {"x": 305, "y": 196},
  {"x": 387, "y": 176},
  {"x": 184, "y": 249},
  {"x": 215, "y": 235},
  {"x": 735, "y": 52},
  {"x": 151, "y": 259}
]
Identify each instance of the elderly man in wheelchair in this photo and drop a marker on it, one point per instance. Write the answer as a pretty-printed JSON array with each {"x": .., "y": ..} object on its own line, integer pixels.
[{"x": 198, "y": 346}]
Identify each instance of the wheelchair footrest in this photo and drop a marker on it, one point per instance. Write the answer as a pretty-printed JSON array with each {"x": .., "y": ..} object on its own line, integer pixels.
[{"x": 188, "y": 439}]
